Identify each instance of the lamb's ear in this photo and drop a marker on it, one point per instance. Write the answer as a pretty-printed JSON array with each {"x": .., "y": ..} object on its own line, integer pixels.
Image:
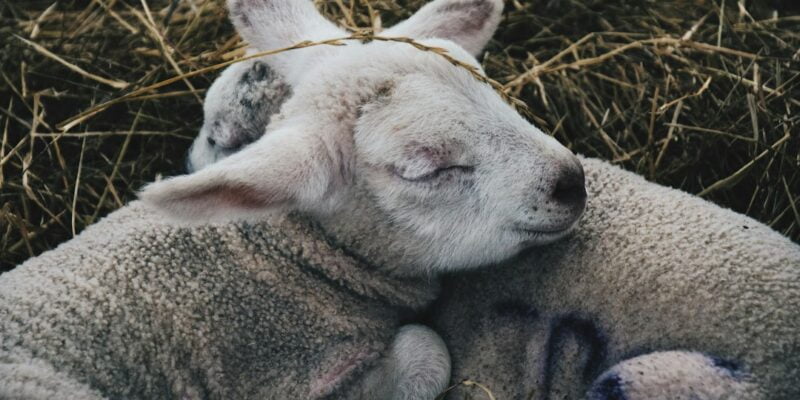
[
  {"x": 469, "y": 23},
  {"x": 274, "y": 24},
  {"x": 284, "y": 170}
]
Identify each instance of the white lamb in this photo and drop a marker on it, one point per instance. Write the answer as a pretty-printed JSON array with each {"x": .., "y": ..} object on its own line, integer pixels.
[
  {"x": 658, "y": 295},
  {"x": 387, "y": 167}
]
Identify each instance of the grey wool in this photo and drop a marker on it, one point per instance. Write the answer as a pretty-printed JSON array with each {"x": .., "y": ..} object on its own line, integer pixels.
[
  {"x": 137, "y": 308},
  {"x": 657, "y": 295}
]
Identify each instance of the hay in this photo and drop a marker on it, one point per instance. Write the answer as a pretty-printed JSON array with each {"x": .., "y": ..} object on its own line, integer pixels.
[{"x": 662, "y": 88}]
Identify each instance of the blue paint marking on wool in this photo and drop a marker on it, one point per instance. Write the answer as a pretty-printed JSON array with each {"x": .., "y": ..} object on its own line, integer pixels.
[
  {"x": 587, "y": 333},
  {"x": 609, "y": 387},
  {"x": 732, "y": 368}
]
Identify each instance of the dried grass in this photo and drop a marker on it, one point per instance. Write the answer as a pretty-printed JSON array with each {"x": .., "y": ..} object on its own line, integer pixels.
[{"x": 690, "y": 94}]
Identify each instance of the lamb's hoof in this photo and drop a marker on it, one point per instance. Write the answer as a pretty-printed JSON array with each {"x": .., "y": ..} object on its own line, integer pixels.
[{"x": 674, "y": 375}]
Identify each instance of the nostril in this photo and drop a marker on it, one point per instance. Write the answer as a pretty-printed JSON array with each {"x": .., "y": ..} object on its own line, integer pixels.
[
  {"x": 211, "y": 142},
  {"x": 570, "y": 188}
]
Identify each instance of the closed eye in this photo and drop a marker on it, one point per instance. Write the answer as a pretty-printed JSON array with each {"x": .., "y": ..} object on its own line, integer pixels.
[{"x": 439, "y": 173}]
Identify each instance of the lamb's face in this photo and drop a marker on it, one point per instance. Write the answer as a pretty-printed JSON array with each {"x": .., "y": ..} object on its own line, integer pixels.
[
  {"x": 237, "y": 108},
  {"x": 462, "y": 178},
  {"x": 437, "y": 148}
]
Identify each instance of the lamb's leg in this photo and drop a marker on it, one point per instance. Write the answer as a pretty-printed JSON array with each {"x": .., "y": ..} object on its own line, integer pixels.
[
  {"x": 674, "y": 375},
  {"x": 417, "y": 367}
]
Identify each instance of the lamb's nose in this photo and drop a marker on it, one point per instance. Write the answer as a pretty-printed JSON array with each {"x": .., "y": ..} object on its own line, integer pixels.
[{"x": 570, "y": 188}]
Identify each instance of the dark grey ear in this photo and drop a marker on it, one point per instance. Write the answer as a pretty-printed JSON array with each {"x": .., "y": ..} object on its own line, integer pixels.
[
  {"x": 257, "y": 72},
  {"x": 469, "y": 23},
  {"x": 259, "y": 95}
]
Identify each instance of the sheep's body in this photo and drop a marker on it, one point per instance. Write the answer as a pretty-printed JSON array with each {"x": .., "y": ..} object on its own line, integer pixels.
[
  {"x": 649, "y": 269},
  {"x": 136, "y": 308}
]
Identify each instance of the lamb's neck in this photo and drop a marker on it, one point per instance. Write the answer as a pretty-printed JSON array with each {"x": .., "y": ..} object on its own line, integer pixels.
[
  {"x": 305, "y": 243},
  {"x": 366, "y": 229}
]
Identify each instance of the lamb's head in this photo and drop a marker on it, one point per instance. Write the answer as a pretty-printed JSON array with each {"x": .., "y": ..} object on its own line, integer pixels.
[
  {"x": 238, "y": 105},
  {"x": 400, "y": 155},
  {"x": 241, "y": 101}
]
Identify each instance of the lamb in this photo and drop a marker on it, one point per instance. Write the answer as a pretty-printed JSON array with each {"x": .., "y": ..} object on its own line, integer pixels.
[
  {"x": 574, "y": 320},
  {"x": 353, "y": 202}
]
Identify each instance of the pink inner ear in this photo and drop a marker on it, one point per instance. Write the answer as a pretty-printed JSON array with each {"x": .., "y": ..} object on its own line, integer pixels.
[
  {"x": 466, "y": 18},
  {"x": 231, "y": 195}
]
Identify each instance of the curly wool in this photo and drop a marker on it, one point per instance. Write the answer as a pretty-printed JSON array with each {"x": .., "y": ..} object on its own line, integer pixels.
[
  {"x": 707, "y": 298},
  {"x": 137, "y": 308}
]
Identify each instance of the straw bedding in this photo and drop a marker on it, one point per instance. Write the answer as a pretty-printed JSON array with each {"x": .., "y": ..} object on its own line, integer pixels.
[{"x": 690, "y": 94}]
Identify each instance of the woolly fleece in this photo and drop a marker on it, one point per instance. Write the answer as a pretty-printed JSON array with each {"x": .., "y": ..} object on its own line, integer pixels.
[
  {"x": 136, "y": 308},
  {"x": 715, "y": 294},
  {"x": 670, "y": 295}
]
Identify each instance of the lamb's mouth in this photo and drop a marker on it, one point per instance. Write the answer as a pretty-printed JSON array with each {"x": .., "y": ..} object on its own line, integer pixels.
[{"x": 543, "y": 235}]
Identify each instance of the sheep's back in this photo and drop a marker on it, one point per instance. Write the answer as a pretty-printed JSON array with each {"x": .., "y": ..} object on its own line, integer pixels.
[
  {"x": 137, "y": 308},
  {"x": 650, "y": 268}
]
